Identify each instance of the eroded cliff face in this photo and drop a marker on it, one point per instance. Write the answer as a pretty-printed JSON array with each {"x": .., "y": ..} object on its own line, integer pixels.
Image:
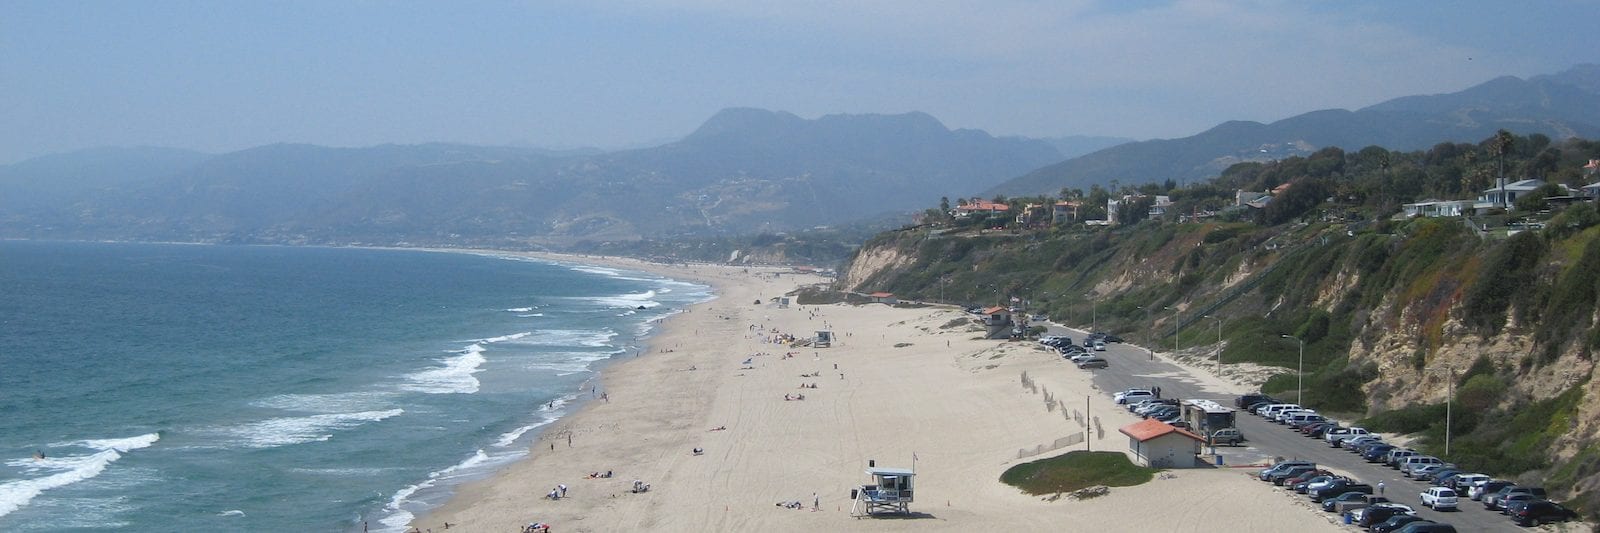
[
  {"x": 1399, "y": 301},
  {"x": 875, "y": 260}
]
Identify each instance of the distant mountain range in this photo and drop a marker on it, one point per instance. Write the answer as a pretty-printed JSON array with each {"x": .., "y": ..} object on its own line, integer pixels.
[
  {"x": 743, "y": 171},
  {"x": 1560, "y": 106}
]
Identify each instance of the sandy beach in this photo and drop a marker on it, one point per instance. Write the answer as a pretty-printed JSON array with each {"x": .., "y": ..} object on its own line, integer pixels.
[{"x": 900, "y": 385}]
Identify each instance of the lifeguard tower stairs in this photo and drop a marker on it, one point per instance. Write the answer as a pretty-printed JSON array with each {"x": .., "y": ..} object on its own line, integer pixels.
[{"x": 889, "y": 493}]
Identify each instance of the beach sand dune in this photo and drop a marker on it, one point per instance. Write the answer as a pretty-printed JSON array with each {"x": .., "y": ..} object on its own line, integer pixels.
[{"x": 897, "y": 383}]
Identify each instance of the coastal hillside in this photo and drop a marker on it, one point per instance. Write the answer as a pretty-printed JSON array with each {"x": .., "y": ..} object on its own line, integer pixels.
[
  {"x": 1395, "y": 311},
  {"x": 1559, "y": 106},
  {"x": 743, "y": 172}
]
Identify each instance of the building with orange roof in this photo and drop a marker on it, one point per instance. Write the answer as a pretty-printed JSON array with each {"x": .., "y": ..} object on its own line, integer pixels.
[{"x": 1158, "y": 444}]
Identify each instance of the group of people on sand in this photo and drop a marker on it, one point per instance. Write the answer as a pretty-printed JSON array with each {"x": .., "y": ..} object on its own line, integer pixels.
[
  {"x": 808, "y": 385},
  {"x": 789, "y": 397},
  {"x": 557, "y": 493},
  {"x": 600, "y": 475},
  {"x": 536, "y": 527}
]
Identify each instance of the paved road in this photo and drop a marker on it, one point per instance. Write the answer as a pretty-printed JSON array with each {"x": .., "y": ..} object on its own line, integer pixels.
[{"x": 1133, "y": 367}]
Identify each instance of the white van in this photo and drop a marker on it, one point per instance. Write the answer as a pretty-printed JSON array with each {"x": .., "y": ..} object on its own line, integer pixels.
[
  {"x": 1304, "y": 417},
  {"x": 1409, "y": 465},
  {"x": 1283, "y": 416},
  {"x": 1270, "y": 411}
]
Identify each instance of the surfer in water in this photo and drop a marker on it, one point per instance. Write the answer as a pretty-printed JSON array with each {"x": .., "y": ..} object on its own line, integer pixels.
[{"x": 38, "y": 455}]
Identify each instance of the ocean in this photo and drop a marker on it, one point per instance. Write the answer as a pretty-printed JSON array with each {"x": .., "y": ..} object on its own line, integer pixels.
[{"x": 165, "y": 387}]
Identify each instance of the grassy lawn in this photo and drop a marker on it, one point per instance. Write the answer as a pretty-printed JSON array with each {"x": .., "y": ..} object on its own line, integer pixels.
[{"x": 1076, "y": 470}]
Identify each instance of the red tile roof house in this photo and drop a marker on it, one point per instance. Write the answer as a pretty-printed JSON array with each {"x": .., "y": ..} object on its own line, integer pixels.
[
  {"x": 1157, "y": 444},
  {"x": 980, "y": 207},
  {"x": 883, "y": 298}
]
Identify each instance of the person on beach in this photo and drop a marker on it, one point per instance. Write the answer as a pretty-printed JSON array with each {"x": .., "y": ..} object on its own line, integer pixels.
[
  {"x": 816, "y": 502},
  {"x": 563, "y": 488}
]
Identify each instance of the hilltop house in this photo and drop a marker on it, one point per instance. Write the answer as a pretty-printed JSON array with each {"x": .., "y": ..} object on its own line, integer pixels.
[
  {"x": 1438, "y": 208},
  {"x": 1242, "y": 197},
  {"x": 981, "y": 208},
  {"x": 1505, "y": 194},
  {"x": 1160, "y": 207},
  {"x": 1591, "y": 191},
  {"x": 1064, "y": 211},
  {"x": 1032, "y": 215}
]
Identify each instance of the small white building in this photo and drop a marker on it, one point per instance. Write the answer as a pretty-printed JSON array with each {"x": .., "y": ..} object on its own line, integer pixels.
[
  {"x": 1438, "y": 208},
  {"x": 1157, "y": 444},
  {"x": 883, "y": 298},
  {"x": 1505, "y": 194}
]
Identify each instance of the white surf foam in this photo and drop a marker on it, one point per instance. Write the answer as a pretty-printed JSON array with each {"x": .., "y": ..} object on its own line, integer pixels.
[
  {"x": 398, "y": 516},
  {"x": 327, "y": 403},
  {"x": 593, "y": 338},
  {"x": 71, "y": 469},
  {"x": 454, "y": 376},
  {"x": 503, "y": 338},
  {"x": 634, "y": 300},
  {"x": 285, "y": 431},
  {"x": 521, "y": 309},
  {"x": 531, "y": 315},
  {"x": 547, "y": 413}
]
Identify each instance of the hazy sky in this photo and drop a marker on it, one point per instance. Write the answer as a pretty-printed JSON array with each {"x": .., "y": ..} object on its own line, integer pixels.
[{"x": 219, "y": 76}]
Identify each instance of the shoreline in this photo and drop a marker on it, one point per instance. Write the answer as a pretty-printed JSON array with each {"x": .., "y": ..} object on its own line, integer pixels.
[{"x": 905, "y": 386}]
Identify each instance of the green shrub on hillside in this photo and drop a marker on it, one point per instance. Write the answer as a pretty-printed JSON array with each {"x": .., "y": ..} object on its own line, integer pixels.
[{"x": 1505, "y": 276}]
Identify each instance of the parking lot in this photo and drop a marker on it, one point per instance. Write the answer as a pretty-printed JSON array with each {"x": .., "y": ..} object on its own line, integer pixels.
[{"x": 1132, "y": 367}]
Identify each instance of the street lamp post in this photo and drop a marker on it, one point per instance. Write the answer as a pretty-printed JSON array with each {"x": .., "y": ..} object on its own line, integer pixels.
[
  {"x": 1175, "y": 325},
  {"x": 1300, "y": 374},
  {"x": 1219, "y": 341},
  {"x": 1094, "y": 314},
  {"x": 1450, "y": 392}
]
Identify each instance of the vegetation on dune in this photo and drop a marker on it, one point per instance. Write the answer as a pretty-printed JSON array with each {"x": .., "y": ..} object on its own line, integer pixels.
[
  {"x": 1076, "y": 470},
  {"x": 1382, "y": 303}
]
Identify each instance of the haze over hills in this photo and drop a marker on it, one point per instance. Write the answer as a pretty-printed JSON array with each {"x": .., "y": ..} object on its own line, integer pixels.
[
  {"x": 742, "y": 171},
  {"x": 1558, "y": 105}
]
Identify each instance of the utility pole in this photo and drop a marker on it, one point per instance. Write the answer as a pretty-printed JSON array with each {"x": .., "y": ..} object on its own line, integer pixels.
[
  {"x": 1300, "y": 374},
  {"x": 1219, "y": 342},
  {"x": 1450, "y": 394}
]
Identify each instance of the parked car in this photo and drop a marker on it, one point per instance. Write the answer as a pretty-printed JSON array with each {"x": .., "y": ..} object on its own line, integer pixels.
[
  {"x": 1298, "y": 483},
  {"x": 1269, "y": 411},
  {"x": 1302, "y": 419},
  {"x": 1399, "y": 454},
  {"x": 1284, "y": 476},
  {"x": 1438, "y": 477},
  {"x": 1245, "y": 401},
  {"x": 1099, "y": 346},
  {"x": 1463, "y": 482},
  {"x": 1438, "y": 498},
  {"x": 1336, "y": 489},
  {"x": 1497, "y": 500},
  {"x": 1409, "y": 466},
  {"x": 1427, "y": 527},
  {"x": 1331, "y": 504},
  {"x": 1394, "y": 523},
  {"x": 1231, "y": 436},
  {"x": 1511, "y": 501},
  {"x": 1479, "y": 491},
  {"x": 1358, "y": 503},
  {"x": 1375, "y": 452},
  {"x": 1319, "y": 429},
  {"x": 1339, "y": 439},
  {"x": 1355, "y": 444},
  {"x": 1426, "y": 472},
  {"x": 1093, "y": 362},
  {"x": 1110, "y": 338},
  {"x": 1267, "y": 473},
  {"x": 1378, "y": 513},
  {"x": 1132, "y": 396},
  {"x": 1541, "y": 512}
]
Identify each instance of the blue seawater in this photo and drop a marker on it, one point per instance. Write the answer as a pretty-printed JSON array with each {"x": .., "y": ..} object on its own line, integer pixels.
[{"x": 156, "y": 387}]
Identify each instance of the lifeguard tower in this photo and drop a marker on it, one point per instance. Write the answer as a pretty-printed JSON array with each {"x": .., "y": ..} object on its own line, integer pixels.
[
  {"x": 890, "y": 492},
  {"x": 824, "y": 339}
]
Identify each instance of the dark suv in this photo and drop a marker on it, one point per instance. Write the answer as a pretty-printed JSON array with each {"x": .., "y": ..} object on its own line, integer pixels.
[{"x": 1542, "y": 511}]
